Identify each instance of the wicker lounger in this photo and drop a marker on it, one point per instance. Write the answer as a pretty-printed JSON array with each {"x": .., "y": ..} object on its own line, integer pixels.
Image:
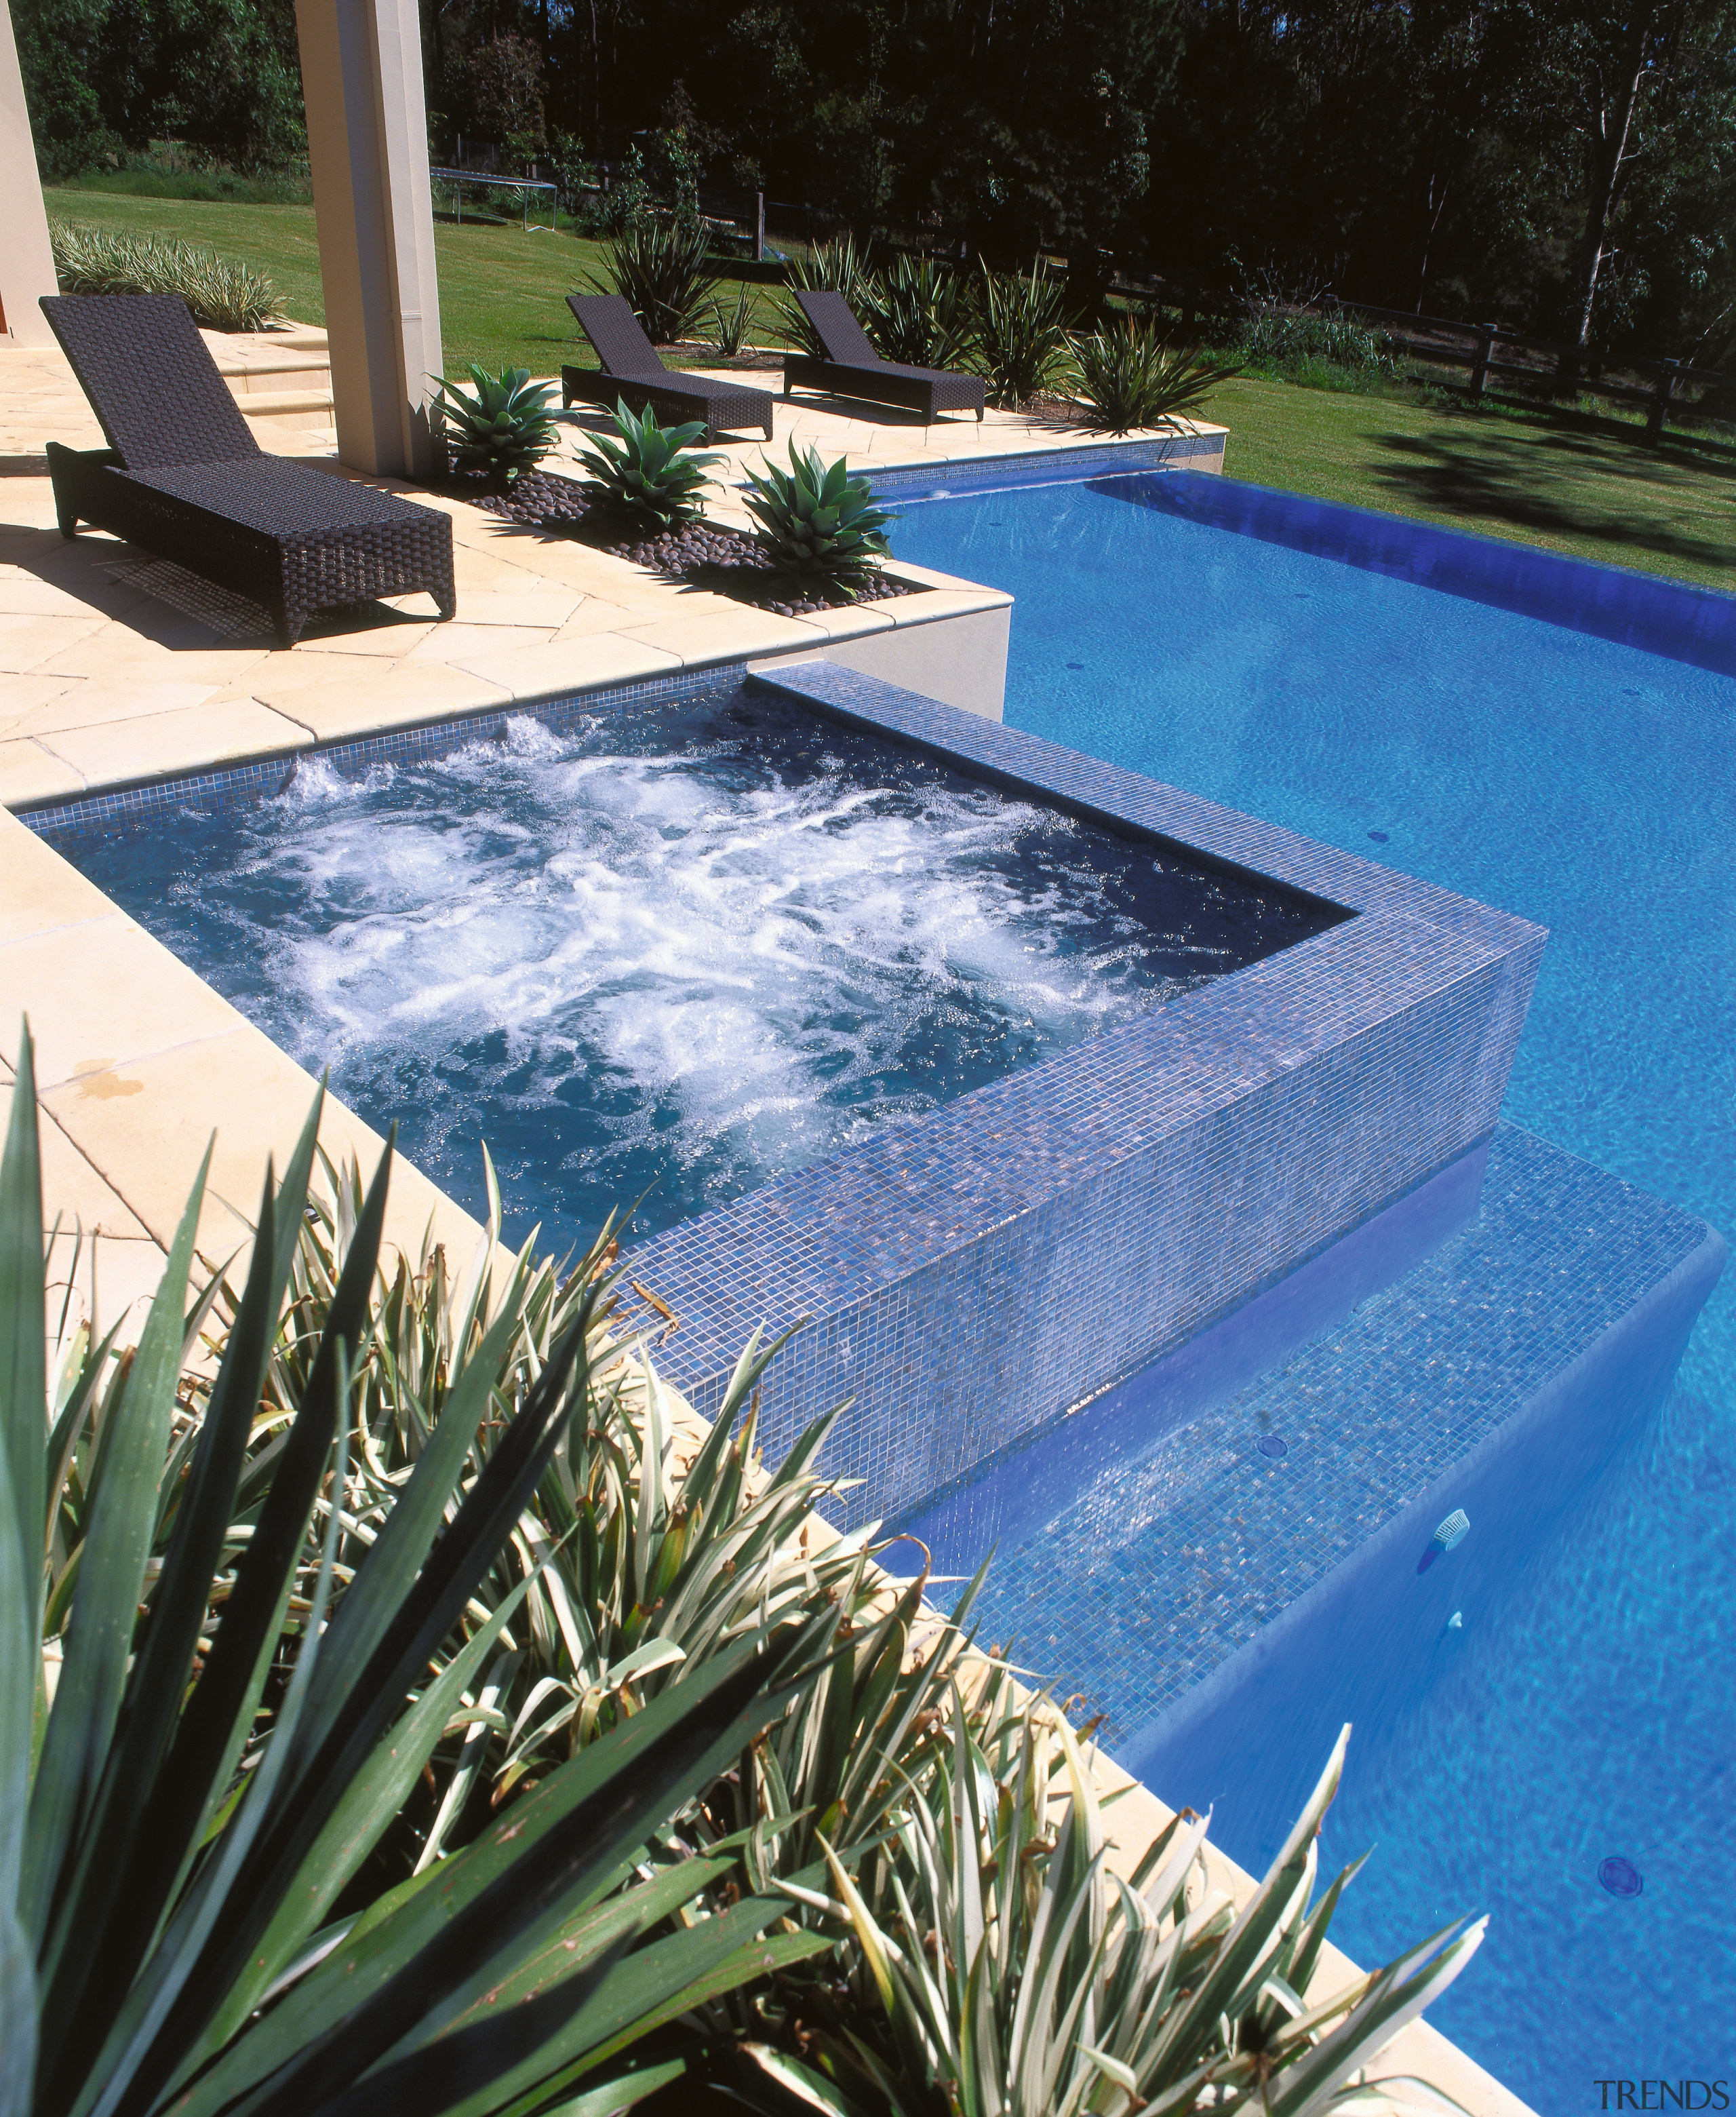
[
  {"x": 852, "y": 368},
  {"x": 634, "y": 375},
  {"x": 184, "y": 478}
]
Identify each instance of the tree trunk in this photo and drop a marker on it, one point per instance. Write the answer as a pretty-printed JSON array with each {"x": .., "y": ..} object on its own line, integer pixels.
[
  {"x": 1606, "y": 153},
  {"x": 1439, "y": 188}
]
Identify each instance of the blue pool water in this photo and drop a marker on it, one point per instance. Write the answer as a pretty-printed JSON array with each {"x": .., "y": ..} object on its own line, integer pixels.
[
  {"x": 673, "y": 954},
  {"x": 1586, "y": 785}
]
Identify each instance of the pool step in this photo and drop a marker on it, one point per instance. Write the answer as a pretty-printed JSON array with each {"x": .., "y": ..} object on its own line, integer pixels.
[{"x": 1203, "y": 1555}]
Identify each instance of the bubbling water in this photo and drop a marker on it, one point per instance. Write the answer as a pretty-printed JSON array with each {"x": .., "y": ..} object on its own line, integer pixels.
[{"x": 694, "y": 947}]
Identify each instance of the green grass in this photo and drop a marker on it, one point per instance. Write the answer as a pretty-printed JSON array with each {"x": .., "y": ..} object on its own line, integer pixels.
[
  {"x": 503, "y": 293},
  {"x": 1551, "y": 479},
  {"x": 225, "y": 186}
]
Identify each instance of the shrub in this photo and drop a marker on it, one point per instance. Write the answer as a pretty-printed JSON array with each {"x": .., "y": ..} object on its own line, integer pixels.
[
  {"x": 1125, "y": 376},
  {"x": 650, "y": 469},
  {"x": 1021, "y": 346},
  {"x": 1331, "y": 338},
  {"x": 223, "y": 295},
  {"x": 837, "y": 267},
  {"x": 730, "y": 326},
  {"x": 234, "y": 1729},
  {"x": 661, "y": 268},
  {"x": 817, "y": 522},
  {"x": 919, "y": 312},
  {"x": 503, "y": 427}
]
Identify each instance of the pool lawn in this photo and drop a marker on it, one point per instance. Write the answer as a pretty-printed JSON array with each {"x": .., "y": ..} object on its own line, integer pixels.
[
  {"x": 1551, "y": 479},
  {"x": 502, "y": 292}
]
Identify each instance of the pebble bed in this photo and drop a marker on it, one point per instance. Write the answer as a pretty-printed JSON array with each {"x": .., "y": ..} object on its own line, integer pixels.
[{"x": 698, "y": 554}]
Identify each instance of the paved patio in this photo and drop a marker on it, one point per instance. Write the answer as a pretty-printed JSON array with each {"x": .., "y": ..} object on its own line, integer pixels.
[{"x": 102, "y": 683}]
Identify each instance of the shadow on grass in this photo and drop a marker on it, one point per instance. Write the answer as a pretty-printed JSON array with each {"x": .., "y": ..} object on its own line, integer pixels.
[{"x": 1557, "y": 480}]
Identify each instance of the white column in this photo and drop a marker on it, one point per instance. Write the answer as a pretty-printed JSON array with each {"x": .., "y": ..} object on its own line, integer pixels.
[
  {"x": 367, "y": 141},
  {"x": 26, "y": 262}
]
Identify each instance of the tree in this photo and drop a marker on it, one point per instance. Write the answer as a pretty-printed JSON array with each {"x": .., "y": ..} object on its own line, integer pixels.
[
  {"x": 1629, "y": 88},
  {"x": 102, "y": 76}
]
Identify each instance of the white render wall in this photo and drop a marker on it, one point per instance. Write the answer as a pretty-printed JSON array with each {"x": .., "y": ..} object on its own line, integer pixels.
[
  {"x": 367, "y": 143},
  {"x": 26, "y": 262}
]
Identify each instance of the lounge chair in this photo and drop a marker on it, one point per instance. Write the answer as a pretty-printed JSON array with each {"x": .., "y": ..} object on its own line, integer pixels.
[
  {"x": 852, "y": 368},
  {"x": 183, "y": 477},
  {"x": 634, "y": 374}
]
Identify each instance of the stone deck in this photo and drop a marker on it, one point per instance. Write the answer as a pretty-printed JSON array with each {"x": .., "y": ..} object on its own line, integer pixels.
[{"x": 103, "y": 683}]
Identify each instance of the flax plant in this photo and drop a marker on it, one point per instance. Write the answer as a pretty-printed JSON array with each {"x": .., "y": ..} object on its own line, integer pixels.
[
  {"x": 1125, "y": 376},
  {"x": 1001, "y": 1967},
  {"x": 181, "y": 1811}
]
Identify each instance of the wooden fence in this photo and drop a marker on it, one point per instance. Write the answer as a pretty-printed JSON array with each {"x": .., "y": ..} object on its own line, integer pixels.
[{"x": 1668, "y": 389}]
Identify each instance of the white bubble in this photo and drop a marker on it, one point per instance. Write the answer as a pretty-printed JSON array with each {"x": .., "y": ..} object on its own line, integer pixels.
[{"x": 754, "y": 965}]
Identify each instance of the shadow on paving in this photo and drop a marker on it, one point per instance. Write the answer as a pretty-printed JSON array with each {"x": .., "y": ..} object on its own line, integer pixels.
[{"x": 1547, "y": 480}]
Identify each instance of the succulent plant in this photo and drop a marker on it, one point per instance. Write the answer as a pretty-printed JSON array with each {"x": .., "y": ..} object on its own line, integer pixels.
[
  {"x": 505, "y": 429},
  {"x": 817, "y": 520},
  {"x": 651, "y": 470}
]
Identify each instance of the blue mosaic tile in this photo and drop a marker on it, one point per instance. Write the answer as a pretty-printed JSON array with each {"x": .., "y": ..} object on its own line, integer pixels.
[
  {"x": 1176, "y": 1555},
  {"x": 967, "y": 1279},
  {"x": 1673, "y": 618}
]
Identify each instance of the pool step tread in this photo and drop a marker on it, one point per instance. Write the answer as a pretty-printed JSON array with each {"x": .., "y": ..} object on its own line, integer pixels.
[{"x": 1170, "y": 1563}]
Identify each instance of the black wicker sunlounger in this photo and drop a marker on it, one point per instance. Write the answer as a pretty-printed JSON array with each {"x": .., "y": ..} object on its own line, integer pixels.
[
  {"x": 852, "y": 368},
  {"x": 183, "y": 477},
  {"x": 632, "y": 374}
]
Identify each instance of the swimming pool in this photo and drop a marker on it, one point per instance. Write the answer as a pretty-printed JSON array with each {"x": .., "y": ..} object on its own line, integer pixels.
[{"x": 1583, "y": 783}]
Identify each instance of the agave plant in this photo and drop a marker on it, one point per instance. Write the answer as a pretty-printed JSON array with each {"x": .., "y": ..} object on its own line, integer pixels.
[
  {"x": 1001, "y": 1965},
  {"x": 503, "y": 427},
  {"x": 662, "y": 269},
  {"x": 648, "y": 469},
  {"x": 817, "y": 521},
  {"x": 1125, "y": 376},
  {"x": 182, "y": 1814},
  {"x": 1021, "y": 341}
]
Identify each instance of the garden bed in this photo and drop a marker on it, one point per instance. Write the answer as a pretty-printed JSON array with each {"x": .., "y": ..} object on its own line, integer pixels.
[{"x": 701, "y": 555}]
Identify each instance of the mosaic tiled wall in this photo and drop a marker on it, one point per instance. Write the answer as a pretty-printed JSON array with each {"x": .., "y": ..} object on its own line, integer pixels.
[
  {"x": 971, "y": 1276},
  {"x": 1672, "y": 618}
]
